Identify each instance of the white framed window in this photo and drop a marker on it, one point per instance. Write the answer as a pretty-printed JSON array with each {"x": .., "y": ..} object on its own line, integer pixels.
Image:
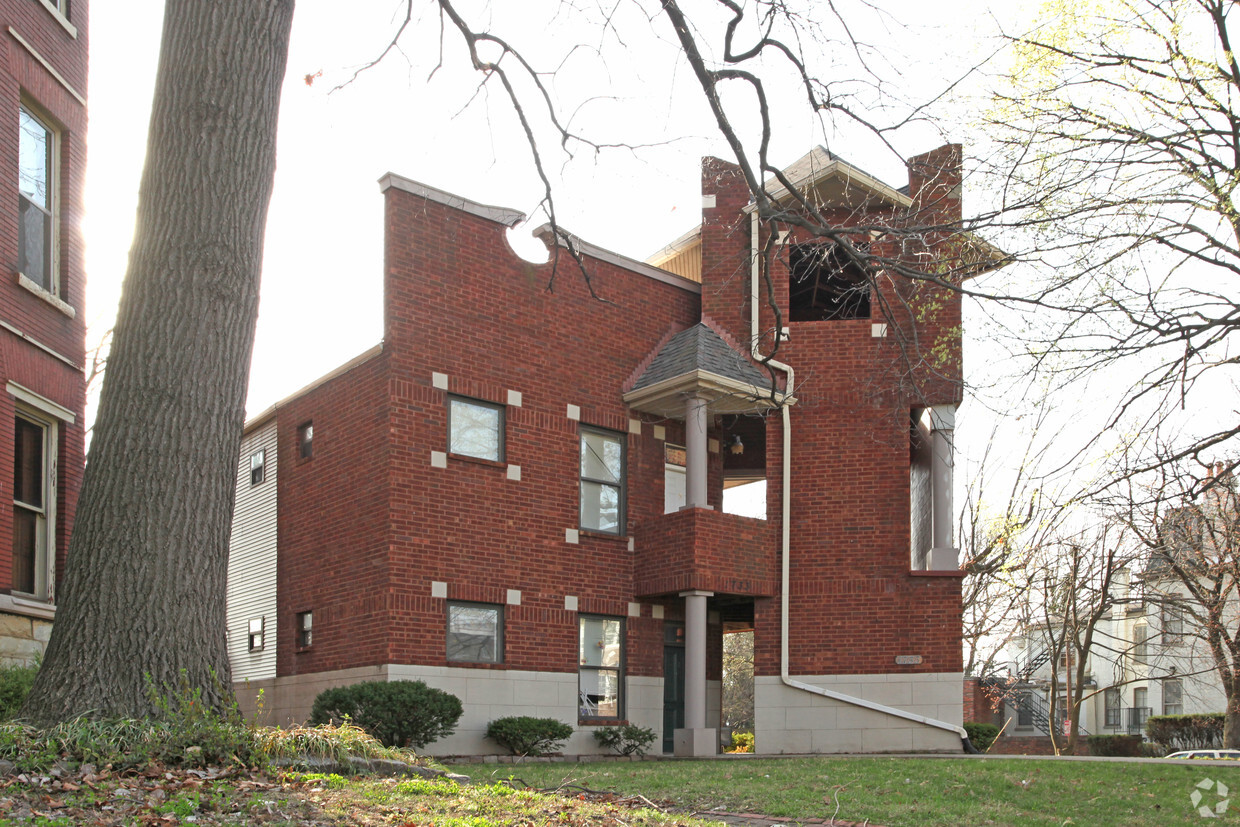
[
  {"x": 1140, "y": 643},
  {"x": 1113, "y": 703},
  {"x": 600, "y": 668},
  {"x": 37, "y": 174},
  {"x": 475, "y": 632},
  {"x": 34, "y": 503},
  {"x": 1173, "y": 697},
  {"x": 602, "y": 480},
  {"x": 475, "y": 429},
  {"x": 258, "y": 466},
  {"x": 256, "y": 636},
  {"x": 1172, "y": 624}
]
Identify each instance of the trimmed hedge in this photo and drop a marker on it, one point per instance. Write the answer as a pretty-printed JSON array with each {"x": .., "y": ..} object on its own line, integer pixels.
[
  {"x": 523, "y": 735},
  {"x": 396, "y": 713},
  {"x": 1177, "y": 732},
  {"x": 982, "y": 735},
  {"x": 625, "y": 739},
  {"x": 1122, "y": 746}
]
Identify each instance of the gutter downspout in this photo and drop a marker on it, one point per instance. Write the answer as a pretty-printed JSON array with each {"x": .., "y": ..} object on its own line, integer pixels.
[{"x": 785, "y": 527}]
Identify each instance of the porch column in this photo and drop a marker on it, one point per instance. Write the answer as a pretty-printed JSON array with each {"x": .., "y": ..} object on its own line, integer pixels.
[
  {"x": 943, "y": 554},
  {"x": 695, "y": 738},
  {"x": 695, "y": 452}
]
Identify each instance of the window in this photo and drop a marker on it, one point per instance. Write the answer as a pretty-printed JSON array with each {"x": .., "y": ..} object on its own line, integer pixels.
[
  {"x": 258, "y": 467},
  {"x": 305, "y": 629},
  {"x": 1112, "y": 700},
  {"x": 36, "y": 187},
  {"x": 1172, "y": 624},
  {"x": 824, "y": 283},
  {"x": 305, "y": 440},
  {"x": 475, "y": 633},
  {"x": 601, "y": 667},
  {"x": 602, "y": 481},
  {"x": 34, "y": 504},
  {"x": 475, "y": 429},
  {"x": 1173, "y": 697},
  {"x": 256, "y": 634},
  {"x": 1140, "y": 646}
]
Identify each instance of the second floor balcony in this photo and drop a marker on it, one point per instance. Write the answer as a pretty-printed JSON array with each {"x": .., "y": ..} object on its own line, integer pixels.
[{"x": 698, "y": 548}]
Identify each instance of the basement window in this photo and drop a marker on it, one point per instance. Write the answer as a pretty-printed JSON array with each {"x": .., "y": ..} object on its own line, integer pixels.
[
  {"x": 824, "y": 284},
  {"x": 475, "y": 633}
]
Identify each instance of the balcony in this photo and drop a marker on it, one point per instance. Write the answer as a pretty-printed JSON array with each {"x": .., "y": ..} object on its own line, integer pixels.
[{"x": 698, "y": 548}]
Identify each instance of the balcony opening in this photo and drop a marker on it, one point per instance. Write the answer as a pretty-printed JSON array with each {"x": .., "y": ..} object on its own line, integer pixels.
[
  {"x": 825, "y": 284},
  {"x": 743, "y": 443}
]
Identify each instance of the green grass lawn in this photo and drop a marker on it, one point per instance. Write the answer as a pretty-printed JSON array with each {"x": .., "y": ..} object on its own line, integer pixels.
[{"x": 907, "y": 791}]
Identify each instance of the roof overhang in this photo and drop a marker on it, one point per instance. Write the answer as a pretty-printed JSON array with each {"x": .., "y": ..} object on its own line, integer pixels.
[
  {"x": 827, "y": 181},
  {"x": 723, "y": 395}
]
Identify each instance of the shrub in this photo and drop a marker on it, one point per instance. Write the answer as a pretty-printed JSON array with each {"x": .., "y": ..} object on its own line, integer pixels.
[
  {"x": 397, "y": 713},
  {"x": 1115, "y": 745},
  {"x": 626, "y": 739},
  {"x": 1177, "y": 732},
  {"x": 982, "y": 735},
  {"x": 15, "y": 682},
  {"x": 523, "y": 735},
  {"x": 742, "y": 742}
]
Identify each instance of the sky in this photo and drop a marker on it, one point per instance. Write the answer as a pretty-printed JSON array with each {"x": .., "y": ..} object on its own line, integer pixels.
[{"x": 321, "y": 300}]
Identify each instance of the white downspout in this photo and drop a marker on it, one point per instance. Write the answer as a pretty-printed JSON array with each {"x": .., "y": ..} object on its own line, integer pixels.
[{"x": 786, "y": 512}]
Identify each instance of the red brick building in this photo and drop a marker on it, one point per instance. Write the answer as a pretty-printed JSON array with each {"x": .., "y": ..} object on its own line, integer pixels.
[
  {"x": 42, "y": 332},
  {"x": 517, "y": 496}
]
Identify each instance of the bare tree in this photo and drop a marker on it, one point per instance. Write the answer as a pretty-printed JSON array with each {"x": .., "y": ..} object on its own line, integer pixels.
[
  {"x": 1189, "y": 521},
  {"x": 1113, "y": 182}
]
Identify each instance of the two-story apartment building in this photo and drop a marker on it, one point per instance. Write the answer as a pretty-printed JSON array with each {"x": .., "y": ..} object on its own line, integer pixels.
[
  {"x": 517, "y": 496},
  {"x": 43, "y": 53}
]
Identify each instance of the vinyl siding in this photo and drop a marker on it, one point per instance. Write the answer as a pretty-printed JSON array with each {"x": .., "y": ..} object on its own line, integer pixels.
[{"x": 252, "y": 560}]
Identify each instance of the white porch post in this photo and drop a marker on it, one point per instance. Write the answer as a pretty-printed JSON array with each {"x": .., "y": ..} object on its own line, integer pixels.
[
  {"x": 696, "y": 738},
  {"x": 695, "y": 452},
  {"x": 943, "y": 554}
]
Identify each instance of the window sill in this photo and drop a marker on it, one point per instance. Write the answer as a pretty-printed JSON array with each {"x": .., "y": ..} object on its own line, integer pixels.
[
  {"x": 602, "y": 535},
  {"x": 469, "y": 664},
  {"x": 60, "y": 18},
  {"x": 924, "y": 573},
  {"x": 490, "y": 463},
  {"x": 27, "y": 606},
  {"x": 47, "y": 296},
  {"x": 602, "y": 721}
]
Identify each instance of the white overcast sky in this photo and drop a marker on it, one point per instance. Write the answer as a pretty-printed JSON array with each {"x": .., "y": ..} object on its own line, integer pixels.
[{"x": 322, "y": 275}]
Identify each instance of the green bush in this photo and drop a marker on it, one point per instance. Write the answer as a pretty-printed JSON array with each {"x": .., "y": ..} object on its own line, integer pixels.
[
  {"x": 742, "y": 742},
  {"x": 1177, "y": 732},
  {"x": 523, "y": 735},
  {"x": 982, "y": 735},
  {"x": 397, "y": 713},
  {"x": 15, "y": 682},
  {"x": 1128, "y": 746},
  {"x": 626, "y": 739}
]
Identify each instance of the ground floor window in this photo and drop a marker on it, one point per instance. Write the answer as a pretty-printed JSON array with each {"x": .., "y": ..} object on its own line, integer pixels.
[
  {"x": 601, "y": 667},
  {"x": 34, "y": 502},
  {"x": 1112, "y": 707},
  {"x": 475, "y": 632},
  {"x": 1173, "y": 698}
]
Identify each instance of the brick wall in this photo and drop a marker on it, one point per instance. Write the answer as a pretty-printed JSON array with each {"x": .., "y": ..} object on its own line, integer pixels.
[{"x": 31, "y": 325}]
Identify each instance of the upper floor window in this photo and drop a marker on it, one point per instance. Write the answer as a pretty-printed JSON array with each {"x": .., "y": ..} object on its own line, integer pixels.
[
  {"x": 305, "y": 440},
  {"x": 602, "y": 481},
  {"x": 475, "y": 429},
  {"x": 258, "y": 467},
  {"x": 36, "y": 203},
  {"x": 1140, "y": 644},
  {"x": 34, "y": 504},
  {"x": 1172, "y": 624}
]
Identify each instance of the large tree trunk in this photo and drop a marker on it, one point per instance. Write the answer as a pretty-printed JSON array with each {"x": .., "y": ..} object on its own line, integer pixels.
[
  {"x": 1231, "y": 721},
  {"x": 143, "y": 591}
]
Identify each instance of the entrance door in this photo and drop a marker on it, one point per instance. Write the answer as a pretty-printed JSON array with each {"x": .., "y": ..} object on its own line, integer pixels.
[{"x": 673, "y": 682}]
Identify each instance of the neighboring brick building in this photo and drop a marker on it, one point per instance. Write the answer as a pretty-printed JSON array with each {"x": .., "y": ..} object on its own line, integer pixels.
[
  {"x": 42, "y": 332},
  {"x": 517, "y": 496}
]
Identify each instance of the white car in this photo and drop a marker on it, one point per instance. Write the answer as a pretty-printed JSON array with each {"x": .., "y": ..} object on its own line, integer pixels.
[{"x": 1225, "y": 754}]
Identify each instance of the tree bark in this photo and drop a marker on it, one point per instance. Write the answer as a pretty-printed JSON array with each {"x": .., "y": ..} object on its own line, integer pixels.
[{"x": 143, "y": 594}]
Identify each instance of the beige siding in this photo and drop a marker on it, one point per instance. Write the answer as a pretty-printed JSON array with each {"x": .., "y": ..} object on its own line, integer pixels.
[
  {"x": 686, "y": 263},
  {"x": 252, "y": 561}
]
